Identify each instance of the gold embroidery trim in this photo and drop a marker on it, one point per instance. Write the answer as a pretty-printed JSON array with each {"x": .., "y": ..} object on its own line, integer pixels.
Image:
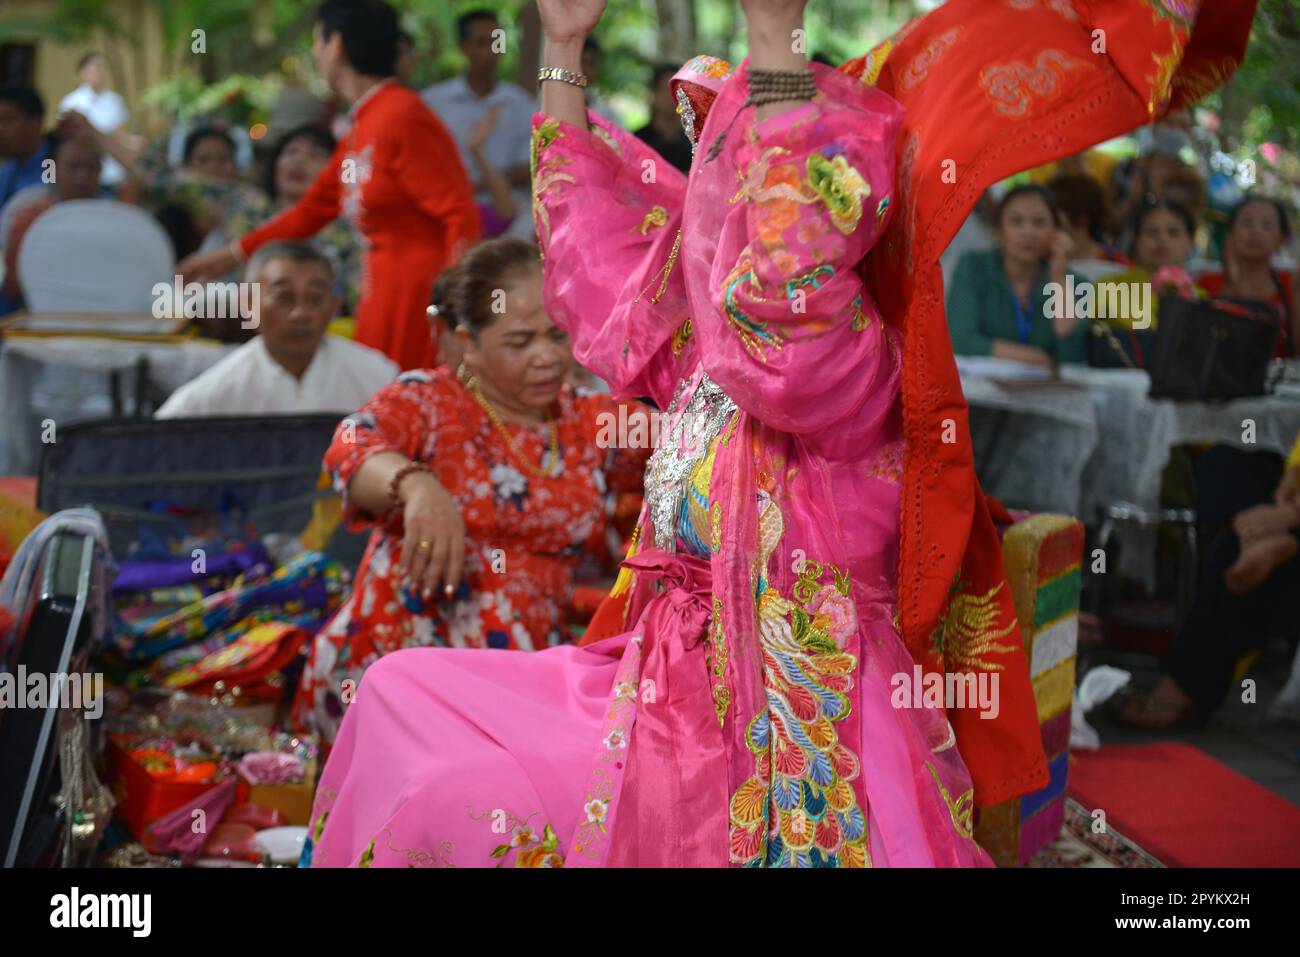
[
  {"x": 681, "y": 337},
  {"x": 663, "y": 273},
  {"x": 960, "y": 810},
  {"x": 658, "y": 216}
]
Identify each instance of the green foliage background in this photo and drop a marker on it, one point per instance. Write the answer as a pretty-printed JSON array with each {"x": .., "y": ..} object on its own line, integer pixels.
[{"x": 260, "y": 40}]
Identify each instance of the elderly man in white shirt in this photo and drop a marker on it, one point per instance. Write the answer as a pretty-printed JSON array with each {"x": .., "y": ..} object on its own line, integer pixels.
[
  {"x": 106, "y": 110},
  {"x": 463, "y": 101},
  {"x": 292, "y": 364}
]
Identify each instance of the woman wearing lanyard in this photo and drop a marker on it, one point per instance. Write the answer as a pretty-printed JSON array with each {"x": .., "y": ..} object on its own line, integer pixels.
[{"x": 996, "y": 303}]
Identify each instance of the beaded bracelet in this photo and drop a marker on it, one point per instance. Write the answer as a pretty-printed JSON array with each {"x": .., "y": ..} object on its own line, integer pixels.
[{"x": 395, "y": 483}]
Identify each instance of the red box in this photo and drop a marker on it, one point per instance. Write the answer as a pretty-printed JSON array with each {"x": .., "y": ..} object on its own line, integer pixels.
[{"x": 143, "y": 798}]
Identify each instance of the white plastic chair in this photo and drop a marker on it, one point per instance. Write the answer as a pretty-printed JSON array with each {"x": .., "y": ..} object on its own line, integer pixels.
[{"x": 93, "y": 256}]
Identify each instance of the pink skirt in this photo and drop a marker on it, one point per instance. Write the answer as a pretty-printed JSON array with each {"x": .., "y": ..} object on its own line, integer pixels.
[{"x": 583, "y": 757}]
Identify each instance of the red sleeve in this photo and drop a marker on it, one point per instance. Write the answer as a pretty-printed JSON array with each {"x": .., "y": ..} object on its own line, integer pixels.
[
  {"x": 1211, "y": 282},
  {"x": 318, "y": 208},
  {"x": 401, "y": 417},
  {"x": 426, "y": 167}
]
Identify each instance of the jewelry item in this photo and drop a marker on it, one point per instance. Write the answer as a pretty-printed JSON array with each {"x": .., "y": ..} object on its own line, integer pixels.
[
  {"x": 768, "y": 86},
  {"x": 553, "y": 457},
  {"x": 425, "y": 544},
  {"x": 562, "y": 75},
  {"x": 396, "y": 481},
  {"x": 773, "y": 86}
]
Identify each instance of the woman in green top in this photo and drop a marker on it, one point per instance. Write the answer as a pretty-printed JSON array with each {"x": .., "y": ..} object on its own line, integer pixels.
[{"x": 997, "y": 304}]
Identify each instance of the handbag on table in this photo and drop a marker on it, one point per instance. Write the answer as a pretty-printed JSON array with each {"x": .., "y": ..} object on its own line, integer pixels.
[{"x": 1213, "y": 349}]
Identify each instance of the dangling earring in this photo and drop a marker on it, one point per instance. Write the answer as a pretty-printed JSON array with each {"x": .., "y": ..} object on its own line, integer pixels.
[{"x": 466, "y": 377}]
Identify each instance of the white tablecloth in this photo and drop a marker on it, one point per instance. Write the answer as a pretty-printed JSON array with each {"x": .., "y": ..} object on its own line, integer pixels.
[
  {"x": 1078, "y": 451},
  {"x": 65, "y": 379}
]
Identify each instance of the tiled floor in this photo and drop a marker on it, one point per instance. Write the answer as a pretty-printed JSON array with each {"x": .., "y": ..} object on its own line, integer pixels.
[{"x": 1238, "y": 734}]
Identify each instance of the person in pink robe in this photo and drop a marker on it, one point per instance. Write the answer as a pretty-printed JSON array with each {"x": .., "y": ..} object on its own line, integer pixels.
[
  {"x": 756, "y": 710},
  {"x": 705, "y": 734}
]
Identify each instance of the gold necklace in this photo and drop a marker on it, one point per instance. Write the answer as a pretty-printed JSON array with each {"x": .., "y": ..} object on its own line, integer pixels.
[{"x": 471, "y": 384}]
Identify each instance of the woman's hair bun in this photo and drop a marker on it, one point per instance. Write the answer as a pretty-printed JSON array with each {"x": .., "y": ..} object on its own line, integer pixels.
[{"x": 463, "y": 293}]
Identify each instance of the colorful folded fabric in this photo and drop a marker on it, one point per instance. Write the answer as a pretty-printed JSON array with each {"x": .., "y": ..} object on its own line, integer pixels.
[
  {"x": 152, "y": 574},
  {"x": 302, "y": 593}
]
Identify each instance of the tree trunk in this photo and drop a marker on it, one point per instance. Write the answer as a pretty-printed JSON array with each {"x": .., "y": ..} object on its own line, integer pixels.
[
  {"x": 529, "y": 30},
  {"x": 677, "y": 41}
]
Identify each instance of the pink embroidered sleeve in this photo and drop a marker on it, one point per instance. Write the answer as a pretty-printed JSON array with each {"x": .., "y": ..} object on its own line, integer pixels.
[
  {"x": 790, "y": 331},
  {"x": 607, "y": 210}
]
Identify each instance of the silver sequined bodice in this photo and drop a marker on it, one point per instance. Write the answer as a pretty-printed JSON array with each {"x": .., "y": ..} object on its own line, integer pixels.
[{"x": 680, "y": 450}]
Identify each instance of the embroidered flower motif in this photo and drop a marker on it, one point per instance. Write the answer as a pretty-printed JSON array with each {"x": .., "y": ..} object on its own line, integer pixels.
[
  {"x": 523, "y": 836},
  {"x": 538, "y": 856},
  {"x": 625, "y": 689},
  {"x": 834, "y": 613},
  {"x": 785, "y": 262},
  {"x": 596, "y": 810},
  {"x": 841, "y": 188},
  {"x": 615, "y": 739}
]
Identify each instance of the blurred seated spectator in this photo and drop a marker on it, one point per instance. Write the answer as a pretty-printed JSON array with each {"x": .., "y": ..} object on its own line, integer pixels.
[
  {"x": 1153, "y": 177},
  {"x": 664, "y": 133},
  {"x": 292, "y": 365},
  {"x": 1160, "y": 253},
  {"x": 976, "y": 233},
  {"x": 292, "y": 166},
  {"x": 1249, "y": 589},
  {"x": 191, "y": 200},
  {"x": 23, "y": 147},
  {"x": 997, "y": 305},
  {"x": 23, "y": 151},
  {"x": 210, "y": 152},
  {"x": 1081, "y": 202},
  {"x": 1258, "y": 229},
  {"x": 105, "y": 109},
  {"x": 79, "y": 162},
  {"x": 497, "y": 465}
]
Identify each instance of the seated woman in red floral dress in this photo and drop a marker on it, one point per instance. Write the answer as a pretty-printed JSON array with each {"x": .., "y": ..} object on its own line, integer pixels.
[{"x": 483, "y": 484}]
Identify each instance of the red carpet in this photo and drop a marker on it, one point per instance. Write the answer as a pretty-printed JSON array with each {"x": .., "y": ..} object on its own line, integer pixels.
[{"x": 1185, "y": 808}]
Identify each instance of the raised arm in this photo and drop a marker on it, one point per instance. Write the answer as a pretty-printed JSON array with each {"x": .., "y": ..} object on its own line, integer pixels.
[
  {"x": 608, "y": 214},
  {"x": 566, "y": 24}
]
